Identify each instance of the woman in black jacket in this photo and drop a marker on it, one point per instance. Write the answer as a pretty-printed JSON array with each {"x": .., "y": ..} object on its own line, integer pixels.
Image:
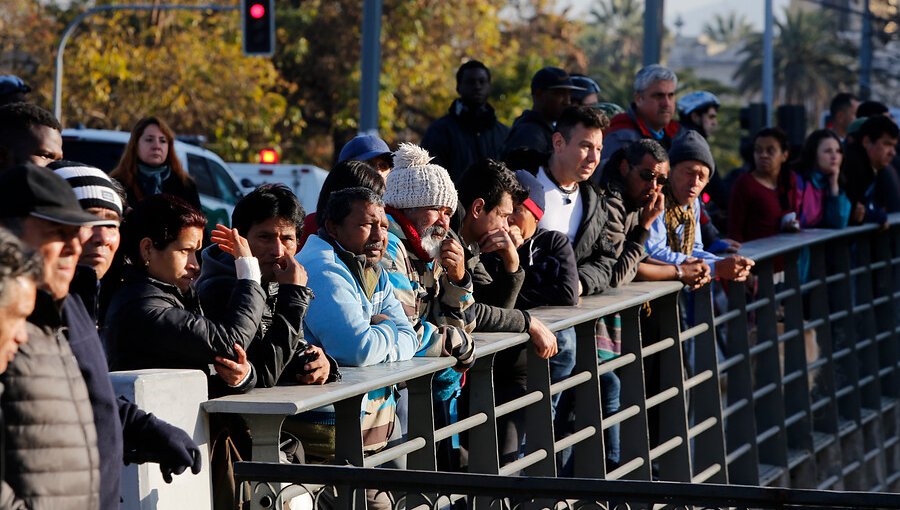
[
  {"x": 155, "y": 319},
  {"x": 149, "y": 165}
]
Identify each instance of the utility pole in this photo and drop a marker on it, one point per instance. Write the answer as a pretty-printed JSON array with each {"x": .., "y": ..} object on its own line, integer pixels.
[
  {"x": 865, "y": 54},
  {"x": 653, "y": 29},
  {"x": 58, "y": 79},
  {"x": 768, "y": 70},
  {"x": 371, "y": 67}
]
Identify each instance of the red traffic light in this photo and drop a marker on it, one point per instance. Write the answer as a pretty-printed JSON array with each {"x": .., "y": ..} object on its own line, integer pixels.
[
  {"x": 268, "y": 156},
  {"x": 257, "y": 11}
]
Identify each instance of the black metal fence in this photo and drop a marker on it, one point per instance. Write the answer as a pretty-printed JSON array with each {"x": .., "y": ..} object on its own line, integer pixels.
[
  {"x": 323, "y": 486},
  {"x": 788, "y": 380}
]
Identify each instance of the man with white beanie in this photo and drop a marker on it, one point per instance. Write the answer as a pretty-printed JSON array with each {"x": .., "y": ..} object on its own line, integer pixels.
[{"x": 426, "y": 264}]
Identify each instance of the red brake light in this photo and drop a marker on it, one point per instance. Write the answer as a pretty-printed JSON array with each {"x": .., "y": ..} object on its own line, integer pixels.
[
  {"x": 268, "y": 156},
  {"x": 706, "y": 198}
]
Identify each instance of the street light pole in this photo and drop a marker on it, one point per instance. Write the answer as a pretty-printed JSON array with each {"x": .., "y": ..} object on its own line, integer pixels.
[
  {"x": 865, "y": 54},
  {"x": 768, "y": 77},
  {"x": 58, "y": 79},
  {"x": 371, "y": 67}
]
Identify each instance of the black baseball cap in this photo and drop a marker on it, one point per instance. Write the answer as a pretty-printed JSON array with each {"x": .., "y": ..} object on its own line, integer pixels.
[
  {"x": 553, "y": 78},
  {"x": 29, "y": 190}
]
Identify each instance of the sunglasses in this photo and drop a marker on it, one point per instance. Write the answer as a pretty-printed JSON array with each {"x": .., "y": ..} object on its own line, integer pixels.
[{"x": 650, "y": 176}]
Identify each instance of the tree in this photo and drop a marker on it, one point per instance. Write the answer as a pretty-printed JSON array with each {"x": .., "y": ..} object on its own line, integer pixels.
[
  {"x": 808, "y": 68},
  {"x": 728, "y": 30},
  {"x": 614, "y": 44}
]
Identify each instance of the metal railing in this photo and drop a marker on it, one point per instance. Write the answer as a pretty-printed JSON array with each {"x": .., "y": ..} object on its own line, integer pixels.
[
  {"x": 323, "y": 485},
  {"x": 793, "y": 383}
]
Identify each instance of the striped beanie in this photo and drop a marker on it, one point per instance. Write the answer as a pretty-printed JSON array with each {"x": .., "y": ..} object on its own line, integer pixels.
[{"x": 91, "y": 185}]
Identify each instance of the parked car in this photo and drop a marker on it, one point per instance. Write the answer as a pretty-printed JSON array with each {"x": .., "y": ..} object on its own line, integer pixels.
[
  {"x": 304, "y": 180},
  {"x": 217, "y": 186}
]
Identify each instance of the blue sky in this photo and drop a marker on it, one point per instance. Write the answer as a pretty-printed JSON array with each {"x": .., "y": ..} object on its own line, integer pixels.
[{"x": 695, "y": 13}]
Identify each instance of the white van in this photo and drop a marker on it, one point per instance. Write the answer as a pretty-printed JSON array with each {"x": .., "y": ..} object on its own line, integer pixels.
[{"x": 218, "y": 189}]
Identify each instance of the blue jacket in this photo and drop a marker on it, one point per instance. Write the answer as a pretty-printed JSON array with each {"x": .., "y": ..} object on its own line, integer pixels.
[{"x": 338, "y": 318}]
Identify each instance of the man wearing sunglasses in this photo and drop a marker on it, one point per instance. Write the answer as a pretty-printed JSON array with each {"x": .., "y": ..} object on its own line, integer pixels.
[{"x": 632, "y": 184}]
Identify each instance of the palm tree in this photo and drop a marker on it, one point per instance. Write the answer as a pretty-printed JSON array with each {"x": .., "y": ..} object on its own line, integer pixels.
[
  {"x": 728, "y": 30},
  {"x": 810, "y": 62},
  {"x": 613, "y": 40}
]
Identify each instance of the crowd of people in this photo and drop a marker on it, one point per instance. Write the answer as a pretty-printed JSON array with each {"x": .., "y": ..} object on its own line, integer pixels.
[{"x": 408, "y": 253}]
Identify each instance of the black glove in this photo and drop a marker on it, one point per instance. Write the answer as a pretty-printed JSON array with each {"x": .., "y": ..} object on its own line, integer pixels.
[{"x": 170, "y": 447}]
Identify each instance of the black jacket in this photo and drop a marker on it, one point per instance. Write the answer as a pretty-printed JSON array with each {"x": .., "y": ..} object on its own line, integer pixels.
[
  {"x": 551, "y": 273},
  {"x": 151, "y": 324},
  {"x": 464, "y": 136},
  {"x": 626, "y": 235},
  {"x": 495, "y": 296},
  {"x": 280, "y": 334},
  {"x": 530, "y": 131}
]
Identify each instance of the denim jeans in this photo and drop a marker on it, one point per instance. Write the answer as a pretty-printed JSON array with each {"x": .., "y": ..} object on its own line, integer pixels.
[{"x": 561, "y": 366}]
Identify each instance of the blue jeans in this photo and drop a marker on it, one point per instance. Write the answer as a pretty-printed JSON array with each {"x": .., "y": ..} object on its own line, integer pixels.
[{"x": 561, "y": 366}]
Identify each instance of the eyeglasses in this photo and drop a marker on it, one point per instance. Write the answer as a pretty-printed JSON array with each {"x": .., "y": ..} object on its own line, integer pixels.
[{"x": 650, "y": 176}]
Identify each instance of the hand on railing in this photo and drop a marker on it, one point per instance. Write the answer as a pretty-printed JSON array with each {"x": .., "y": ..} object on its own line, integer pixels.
[
  {"x": 543, "y": 339},
  {"x": 460, "y": 345},
  {"x": 694, "y": 273},
  {"x": 317, "y": 369},
  {"x": 735, "y": 268}
]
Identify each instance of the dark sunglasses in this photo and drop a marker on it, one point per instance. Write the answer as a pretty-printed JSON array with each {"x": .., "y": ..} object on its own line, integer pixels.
[{"x": 650, "y": 176}]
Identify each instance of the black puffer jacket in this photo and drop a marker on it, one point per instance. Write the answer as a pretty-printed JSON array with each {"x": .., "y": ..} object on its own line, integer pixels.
[
  {"x": 280, "y": 334},
  {"x": 464, "y": 136},
  {"x": 51, "y": 460},
  {"x": 151, "y": 324}
]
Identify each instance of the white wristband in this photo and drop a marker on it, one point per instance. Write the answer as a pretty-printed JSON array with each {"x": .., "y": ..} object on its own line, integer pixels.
[
  {"x": 678, "y": 272},
  {"x": 247, "y": 268}
]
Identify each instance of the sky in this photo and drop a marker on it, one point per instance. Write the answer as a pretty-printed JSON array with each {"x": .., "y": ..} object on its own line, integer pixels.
[{"x": 695, "y": 13}]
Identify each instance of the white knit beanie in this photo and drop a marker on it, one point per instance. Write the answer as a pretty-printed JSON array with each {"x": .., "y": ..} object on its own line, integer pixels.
[{"x": 415, "y": 183}]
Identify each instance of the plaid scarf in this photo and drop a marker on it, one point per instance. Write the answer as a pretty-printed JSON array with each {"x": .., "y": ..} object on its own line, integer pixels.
[{"x": 677, "y": 215}]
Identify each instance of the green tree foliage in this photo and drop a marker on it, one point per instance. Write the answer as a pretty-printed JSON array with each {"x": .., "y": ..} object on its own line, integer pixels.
[
  {"x": 810, "y": 64},
  {"x": 423, "y": 43},
  {"x": 728, "y": 29}
]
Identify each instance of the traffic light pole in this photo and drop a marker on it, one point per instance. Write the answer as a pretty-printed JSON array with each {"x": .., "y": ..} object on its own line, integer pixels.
[
  {"x": 57, "y": 83},
  {"x": 371, "y": 67}
]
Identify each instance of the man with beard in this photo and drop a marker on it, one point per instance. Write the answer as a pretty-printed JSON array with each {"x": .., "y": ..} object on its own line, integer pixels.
[
  {"x": 426, "y": 264},
  {"x": 470, "y": 131},
  {"x": 633, "y": 200}
]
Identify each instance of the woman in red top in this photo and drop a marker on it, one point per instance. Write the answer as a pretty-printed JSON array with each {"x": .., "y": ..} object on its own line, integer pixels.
[{"x": 760, "y": 204}]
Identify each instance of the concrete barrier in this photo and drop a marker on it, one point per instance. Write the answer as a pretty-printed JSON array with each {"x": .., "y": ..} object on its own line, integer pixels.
[{"x": 174, "y": 396}]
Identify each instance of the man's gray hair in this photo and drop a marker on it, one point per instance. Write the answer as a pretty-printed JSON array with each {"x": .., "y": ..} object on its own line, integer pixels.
[
  {"x": 16, "y": 260},
  {"x": 340, "y": 203},
  {"x": 651, "y": 74}
]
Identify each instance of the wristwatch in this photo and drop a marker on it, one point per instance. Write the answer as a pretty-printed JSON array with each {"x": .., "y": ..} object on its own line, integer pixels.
[{"x": 678, "y": 272}]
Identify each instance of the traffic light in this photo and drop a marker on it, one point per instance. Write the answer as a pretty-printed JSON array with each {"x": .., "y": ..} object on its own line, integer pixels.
[{"x": 258, "y": 23}]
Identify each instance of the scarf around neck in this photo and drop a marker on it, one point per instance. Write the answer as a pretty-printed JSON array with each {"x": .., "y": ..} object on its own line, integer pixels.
[
  {"x": 151, "y": 178},
  {"x": 677, "y": 215}
]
